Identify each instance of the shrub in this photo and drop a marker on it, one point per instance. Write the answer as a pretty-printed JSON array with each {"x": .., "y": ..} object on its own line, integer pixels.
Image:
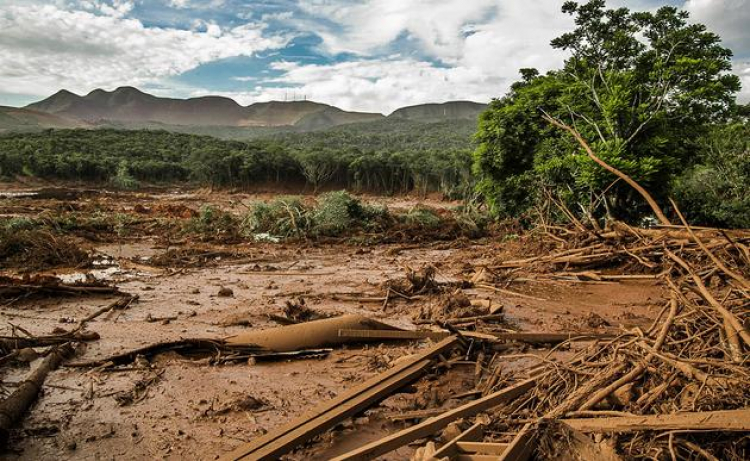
[
  {"x": 422, "y": 216},
  {"x": 284, "y": 217},
  {"x": 337, "y": 212}
]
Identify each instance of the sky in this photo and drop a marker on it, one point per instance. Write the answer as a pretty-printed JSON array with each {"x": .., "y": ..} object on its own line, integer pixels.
[{"x": 368, "y": 55}]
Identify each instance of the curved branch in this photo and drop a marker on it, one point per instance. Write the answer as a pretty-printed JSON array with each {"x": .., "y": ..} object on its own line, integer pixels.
[{"x": 652, "y": 203}]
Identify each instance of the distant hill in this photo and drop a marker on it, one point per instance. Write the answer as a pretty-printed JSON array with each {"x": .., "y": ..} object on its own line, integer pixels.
[
  {"x": 15, "y": 119},
  {"x": 453, "y": 110},
  {"x": 130, "y": 105}
]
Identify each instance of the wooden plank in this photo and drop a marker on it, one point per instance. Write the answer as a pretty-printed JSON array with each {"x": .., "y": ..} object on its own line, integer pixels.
[
  {"x": 395, "y": 334},
  {"x": 416, "y": 414},
  {"x": 522, "y": 446},
  {"x": 482, "y": 448},
  {"x": 728, "y": 420},
  {"x": 450, "y": 449},
  {"x": 537, "y": 338},
  {"x": 326, "y": 415},
  {"x": 432, "y": 425},
  {"x": 477, "y": 458}
]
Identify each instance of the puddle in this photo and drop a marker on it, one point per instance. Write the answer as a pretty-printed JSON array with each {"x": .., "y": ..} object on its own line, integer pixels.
[{"x": 7, "y": 194}]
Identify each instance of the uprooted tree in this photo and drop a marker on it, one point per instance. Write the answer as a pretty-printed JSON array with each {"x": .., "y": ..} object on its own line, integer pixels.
[{"x": 642, "y": 88}]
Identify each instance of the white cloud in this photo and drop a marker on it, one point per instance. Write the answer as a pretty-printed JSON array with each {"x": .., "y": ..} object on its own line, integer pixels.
[
  {"x": 484, "y": 43},
  {"x": 731, "y": 20},
  {"x": 45, "y": 47},
  {"x": 375, "y": 85}
]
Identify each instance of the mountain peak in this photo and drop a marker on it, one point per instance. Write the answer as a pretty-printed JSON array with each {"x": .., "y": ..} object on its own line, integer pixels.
[
  {"x": 129, "y": 105},
  {"x": 451, "y": 110}
]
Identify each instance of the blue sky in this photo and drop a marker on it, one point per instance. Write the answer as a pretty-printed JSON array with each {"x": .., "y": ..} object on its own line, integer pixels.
[{"x": 370, "y": 55}]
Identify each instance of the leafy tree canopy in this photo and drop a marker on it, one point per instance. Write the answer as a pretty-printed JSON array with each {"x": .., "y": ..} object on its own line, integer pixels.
[{"x": 640, "y": 87}]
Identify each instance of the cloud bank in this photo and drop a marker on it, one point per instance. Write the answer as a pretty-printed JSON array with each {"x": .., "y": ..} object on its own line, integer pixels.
[{"x": 373, "y": 55}]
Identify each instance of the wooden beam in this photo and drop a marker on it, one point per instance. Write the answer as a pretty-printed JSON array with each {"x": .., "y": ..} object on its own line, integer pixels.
[
  {"x": 728, "y": 420},
  {"x": 450, "y": 449},
  {"x": 392, "y": 334},
  {"x": 477, "y": 458},
  {"x": 482, "y": 448},
  {"x": 325, "y": 416},
  {"x": 522, "y": 446},
  {"x": 432, "y": 425}
]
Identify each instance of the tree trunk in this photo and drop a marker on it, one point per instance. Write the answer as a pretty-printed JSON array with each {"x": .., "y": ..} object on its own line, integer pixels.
[{"x": 13, "y": 408}]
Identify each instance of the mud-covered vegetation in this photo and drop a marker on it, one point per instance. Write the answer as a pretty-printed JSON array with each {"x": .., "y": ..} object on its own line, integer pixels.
[{"x": 54, "y": 238}]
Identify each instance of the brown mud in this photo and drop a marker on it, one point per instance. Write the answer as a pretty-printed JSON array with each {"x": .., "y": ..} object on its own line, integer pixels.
[{"x": 174, "y": 407}]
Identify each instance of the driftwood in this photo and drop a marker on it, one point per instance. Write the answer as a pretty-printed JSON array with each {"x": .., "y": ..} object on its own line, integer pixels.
[
  {"x": 8, "y": 343},
  {"x": 13, "y": 408}
]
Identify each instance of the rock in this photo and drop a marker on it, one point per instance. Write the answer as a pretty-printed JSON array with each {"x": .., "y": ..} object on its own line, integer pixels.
[{"x": 225, "y": 292}]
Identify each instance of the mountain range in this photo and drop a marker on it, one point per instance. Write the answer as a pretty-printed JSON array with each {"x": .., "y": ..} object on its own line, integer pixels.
[{"x": 130, "y": 108}]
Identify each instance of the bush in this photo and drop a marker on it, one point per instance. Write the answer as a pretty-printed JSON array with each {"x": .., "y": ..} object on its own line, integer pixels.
[
  {"x": 284, "y": 217},
  {"x": 123, "y": 179},
  {"x": 423, "y": 217},
  {"x": 337, "y": 212},
  {"x": 717, "y": 191},
  {"x": 213, "y": 223}
]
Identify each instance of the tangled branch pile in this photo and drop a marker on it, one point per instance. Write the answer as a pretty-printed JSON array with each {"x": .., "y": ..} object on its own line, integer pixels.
[{"x": 692, "y": 359}]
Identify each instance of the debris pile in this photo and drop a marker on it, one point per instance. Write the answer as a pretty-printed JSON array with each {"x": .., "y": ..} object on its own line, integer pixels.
[{"x": 31, "y": 249}]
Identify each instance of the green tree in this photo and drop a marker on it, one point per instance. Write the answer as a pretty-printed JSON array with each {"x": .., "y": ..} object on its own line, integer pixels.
[{"x": 640, "y": 87}]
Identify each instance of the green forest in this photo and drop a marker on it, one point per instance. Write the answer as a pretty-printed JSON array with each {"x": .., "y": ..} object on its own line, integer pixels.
[{"x": 384, "y": 157}]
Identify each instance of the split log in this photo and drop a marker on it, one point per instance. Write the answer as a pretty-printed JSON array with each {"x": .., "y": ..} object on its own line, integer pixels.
[
  {"x": 473, "y": 434},
  {"x": 523, "y": 444},
  {"x": 727, "y": 420},
  {"x": 13, "y": 408}
]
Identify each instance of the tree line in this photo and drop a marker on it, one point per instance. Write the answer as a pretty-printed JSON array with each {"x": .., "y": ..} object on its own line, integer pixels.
[{"x": 382, "y": 157}]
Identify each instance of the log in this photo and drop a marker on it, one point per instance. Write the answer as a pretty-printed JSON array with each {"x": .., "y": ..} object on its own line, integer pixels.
[
  {"x": 308, "y": 335},
  {"x": 8, "y": 343},
  {"x": 727, "y": 420},
  {"x": 13, "y": 408}
]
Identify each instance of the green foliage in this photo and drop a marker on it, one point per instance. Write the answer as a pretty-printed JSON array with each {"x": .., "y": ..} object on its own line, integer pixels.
[
  {"x": 640, "y": 87},
  {"x": 423, "y": 217},
  {"x": 212, "y": 223},
  {"x": 385, "y": 157},
  {"x": 283, "y": 217},
  {"x": 336, "y": 212},
  {"x": 123, "y": 179},
  {"x": 717, "y": 191}
]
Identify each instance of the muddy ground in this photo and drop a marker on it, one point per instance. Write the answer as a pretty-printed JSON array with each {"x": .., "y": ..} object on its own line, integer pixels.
[{"x": 189, "y": 409}]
